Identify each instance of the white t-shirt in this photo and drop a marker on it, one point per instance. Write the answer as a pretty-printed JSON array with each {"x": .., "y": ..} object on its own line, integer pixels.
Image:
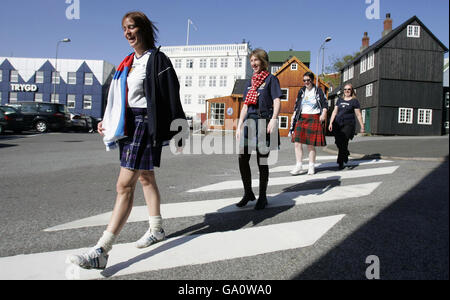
[
  {"x": 309, "y": 103},
  {"x": 135, "y": 81}
]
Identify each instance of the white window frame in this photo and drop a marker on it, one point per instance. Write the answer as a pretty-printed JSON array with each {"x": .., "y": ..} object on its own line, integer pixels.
[
  {"x": 0, "y": 97},
  {"x": 345, "y": 74},
  {"x": 14, "y": 76},
  {"x": 1, "y": 75},
  {"x": 38, "y": 97},
  {"x": 238, "y": 62},
  {"x": 369, "y": 90},
  {"x": 281, "y": 122},
  {"x": 212, "y": 81},
  {"x": 178, "y": 63},
  {"x": 88, "y": 79},
  {"x": 213, "y": 63},
  {"x": 201, "y": 99},
  {"x": 87, "y": 102},
  {"x": 351, "y": 71},
  {"x": 188, "y": 81},
  {"x": 294, "y": 66},
  {"x": 56, "y": 78},
  {"x": 413, "y": 31},
  {"x": 405, "y": 115},
  {"x": 202, "y": 81},
  {"x": 275, "y": 69},
  {"x": 72, "y": 78},
  {"x": 39, "y": 77},
  {"x": 363, "y": 65},
  {"x": 188, "y": 99},
  {"x": 202, "y": 63},
  {"x": 54, "y": 98},
  {"x": 71, "y": 103},
  {"x": 13, "y": 98},
  {"x": 287, "y": 95},
  {"x": 370, "y": 60},
  {"x": 223, "y": 81},
  {"x": 425, "y": 116},
  {"x": 224, "y": 62},
  {"x": 189, "y": 63},
  {"x": 446, "y": 125},
  {"x": 217, "y": 113},
  {"x": 363, "y": 115}
]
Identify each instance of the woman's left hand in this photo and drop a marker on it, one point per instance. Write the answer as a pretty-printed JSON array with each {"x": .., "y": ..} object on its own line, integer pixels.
[
  {"x": 322, "y": 118},
  {"x": 272, "y": 125}
]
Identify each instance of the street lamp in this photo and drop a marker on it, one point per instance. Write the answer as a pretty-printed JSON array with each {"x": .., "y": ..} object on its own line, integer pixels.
[
  {"x": 66, "y": 40},
  {"x": 322, "y": 47}
]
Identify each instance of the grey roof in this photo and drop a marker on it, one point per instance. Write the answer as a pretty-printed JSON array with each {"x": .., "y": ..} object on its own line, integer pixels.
[
  {"x": 239, "y": 86},
  {"x": 381, "y": 42}
]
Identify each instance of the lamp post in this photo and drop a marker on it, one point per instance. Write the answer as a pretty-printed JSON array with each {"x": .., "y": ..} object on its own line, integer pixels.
[
  {"x": 322, "y": 47},
  {"x": 66, "y": 40}
]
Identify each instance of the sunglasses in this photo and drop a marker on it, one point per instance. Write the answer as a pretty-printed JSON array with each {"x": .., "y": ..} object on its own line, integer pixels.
[
  {"x": 306, "y": 80},
  {"x": 347, "y": 89}
]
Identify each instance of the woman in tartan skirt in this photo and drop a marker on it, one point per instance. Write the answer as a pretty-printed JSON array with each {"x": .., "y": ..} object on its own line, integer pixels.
[{"x": 306, "y": 128}]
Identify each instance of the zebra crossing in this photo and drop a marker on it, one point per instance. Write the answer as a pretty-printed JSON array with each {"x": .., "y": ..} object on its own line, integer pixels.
[{"x": 198, "y": 249}]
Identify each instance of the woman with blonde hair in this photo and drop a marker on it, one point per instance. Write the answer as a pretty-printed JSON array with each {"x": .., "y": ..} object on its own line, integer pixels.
[{"x": 343, "y": 123}]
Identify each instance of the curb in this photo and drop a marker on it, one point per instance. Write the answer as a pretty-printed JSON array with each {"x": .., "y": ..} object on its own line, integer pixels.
[{"x": 357, "y": 155}]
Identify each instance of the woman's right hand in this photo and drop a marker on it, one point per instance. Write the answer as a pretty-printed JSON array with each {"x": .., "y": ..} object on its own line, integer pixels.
[
  {"x": 238, "y": 134},
  {"x": 330, "y": 128},
  {"x": 100, "y": 128}
]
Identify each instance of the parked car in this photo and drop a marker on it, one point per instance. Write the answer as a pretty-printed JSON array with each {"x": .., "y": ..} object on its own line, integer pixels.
[
  {"x": 81, "y": 123},
  {"x": 13, "y": 118},
  {"x": 43, "y": 116},
  {"x": 3, "y": 122}
]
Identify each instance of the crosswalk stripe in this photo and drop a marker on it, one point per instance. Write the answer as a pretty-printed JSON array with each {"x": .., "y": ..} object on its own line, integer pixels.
[
  {"x": 346, "y": 174},
  {"x": 351, "y": 163},
  {"x": 175, "y": 252},
  {"x": 200, "y": 208}
]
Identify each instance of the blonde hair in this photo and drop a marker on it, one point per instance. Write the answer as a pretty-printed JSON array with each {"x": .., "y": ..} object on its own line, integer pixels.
[
  {"x": 262, "y": 56},
  {"x": 353, "y": 90}
]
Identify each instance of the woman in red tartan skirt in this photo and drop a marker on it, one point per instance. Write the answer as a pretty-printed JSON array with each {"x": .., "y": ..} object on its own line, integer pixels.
[{"x": 310, "y": 112}]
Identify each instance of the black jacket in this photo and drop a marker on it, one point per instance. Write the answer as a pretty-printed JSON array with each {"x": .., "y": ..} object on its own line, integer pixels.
[
  {"x": 162, "y": 91},
  {"x": 321, "y": 101}
]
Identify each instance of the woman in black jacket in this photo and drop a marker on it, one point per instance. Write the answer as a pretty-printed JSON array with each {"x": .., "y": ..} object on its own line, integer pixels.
[
  {"x": 342, "y": 122},
  {"x": 153, "y": 103}
]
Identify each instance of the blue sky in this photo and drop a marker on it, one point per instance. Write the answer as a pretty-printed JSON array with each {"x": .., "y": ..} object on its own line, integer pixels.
[{"x": 31, "y": 28}]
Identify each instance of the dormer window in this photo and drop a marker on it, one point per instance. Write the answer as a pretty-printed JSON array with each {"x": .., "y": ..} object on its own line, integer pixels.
[{"x": 413, "y": 31}]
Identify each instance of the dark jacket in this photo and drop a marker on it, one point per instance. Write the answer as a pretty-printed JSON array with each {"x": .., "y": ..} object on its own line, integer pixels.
[
  {"x": 162, "y": 91},
  {"x": 321, "y": 100}
]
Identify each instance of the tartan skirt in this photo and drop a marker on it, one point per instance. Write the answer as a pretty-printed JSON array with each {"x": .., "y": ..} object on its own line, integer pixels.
[
  {"x": 136, "y": 151},
  {"x": 309, "y": 131}
]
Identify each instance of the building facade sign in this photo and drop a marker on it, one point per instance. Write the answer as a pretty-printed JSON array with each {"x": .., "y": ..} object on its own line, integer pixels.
[{"x": 24, "y": 87}]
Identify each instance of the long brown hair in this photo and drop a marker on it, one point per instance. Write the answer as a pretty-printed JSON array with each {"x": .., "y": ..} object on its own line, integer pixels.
[
  {"x": 262, "y": 56},
  {"x": 146, "y": 27}
]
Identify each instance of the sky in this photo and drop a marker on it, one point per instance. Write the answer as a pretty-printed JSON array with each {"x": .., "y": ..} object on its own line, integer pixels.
[{"x": 32, "y": 28}]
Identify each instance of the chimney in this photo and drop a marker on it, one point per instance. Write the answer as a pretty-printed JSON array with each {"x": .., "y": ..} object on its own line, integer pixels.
[
  {"x": 365, "y": 42},
  {"x": 387, "y": 25}
]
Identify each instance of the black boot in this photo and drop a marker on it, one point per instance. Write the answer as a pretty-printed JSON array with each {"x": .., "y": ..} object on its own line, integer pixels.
[
  {"x": 247, "y": 197},
  {"x": 261, "y": 203}
]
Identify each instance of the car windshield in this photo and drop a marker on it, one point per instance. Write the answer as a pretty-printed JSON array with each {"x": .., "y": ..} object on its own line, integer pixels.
[
  {"x": 8, "y": 110},
  {"x": 62, "y": 108}
]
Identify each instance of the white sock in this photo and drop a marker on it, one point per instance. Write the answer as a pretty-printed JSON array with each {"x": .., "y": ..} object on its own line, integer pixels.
[
  {"x": 299, "y": 164},
  {"x": 106, "y": 241},
  {"x": 155, "y": 223}
]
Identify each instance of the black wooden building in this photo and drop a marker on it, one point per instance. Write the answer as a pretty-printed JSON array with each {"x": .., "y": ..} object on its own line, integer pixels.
[{"x": 399, "y": 80}]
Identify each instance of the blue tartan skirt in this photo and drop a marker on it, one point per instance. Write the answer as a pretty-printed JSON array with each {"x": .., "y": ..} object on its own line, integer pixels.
[{"x": 136, "y": 151}]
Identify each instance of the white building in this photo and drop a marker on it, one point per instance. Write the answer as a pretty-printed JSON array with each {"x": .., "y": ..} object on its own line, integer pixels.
[{"x": 207, "y": 71}]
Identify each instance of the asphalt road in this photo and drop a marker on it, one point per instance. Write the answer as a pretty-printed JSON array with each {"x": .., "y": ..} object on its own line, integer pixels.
[{"x": 52, "y": 179}]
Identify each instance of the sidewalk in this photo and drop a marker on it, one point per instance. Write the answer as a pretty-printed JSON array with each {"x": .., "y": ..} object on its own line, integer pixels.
[{"x": 426, "y": 148}]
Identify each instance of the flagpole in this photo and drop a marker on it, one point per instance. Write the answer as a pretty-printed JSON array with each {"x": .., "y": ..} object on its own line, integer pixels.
[{"x": 187, "y": 38}]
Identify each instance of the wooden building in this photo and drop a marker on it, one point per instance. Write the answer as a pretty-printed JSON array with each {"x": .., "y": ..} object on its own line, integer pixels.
[
  {"x": 223, "y": 113},
  {"x": 398, "y": 80}
]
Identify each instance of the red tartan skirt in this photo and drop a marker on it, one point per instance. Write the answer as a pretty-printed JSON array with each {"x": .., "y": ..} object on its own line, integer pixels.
[{"x": 309, "y": 131}]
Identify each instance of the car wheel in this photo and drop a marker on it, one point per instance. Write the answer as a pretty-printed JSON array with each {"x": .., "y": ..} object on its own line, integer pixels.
[{"x": 41, "y": 126}]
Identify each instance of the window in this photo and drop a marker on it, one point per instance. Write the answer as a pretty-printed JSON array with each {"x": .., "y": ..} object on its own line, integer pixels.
[
  {"x": 413, "y": 31},
  {"x": 283, "y": 122},
  {"x": 14, "y": 76},
  {"x": 224, "y": 62},
  {"x": 178, "y": 63},
  {"x": 187, "y": 99},
  {"x": 188, "y": 82},
  {"x": 88, "y": 80},
  {"x": 238, "y": 62},
  {"x": 203, "y": 63},
  {"x": 202, "y": 81},
  {"x": 189, "y": 63},
  {"x": 213, "y": 63},
  {"x": 70, "y": 101},
  {"x": 212, "y": 81},
  {"x": 217, "y": 113},
  {"x": 446, "y": 125},
  {"x": 285, "y": 95},
  {"x": 0, "y": 97},
  {"x": 38, "y": 97},
  {"x": 447, "y": 100},
  {"x": 87, "y": 102},
  {"x": 12, "y": 97},
  {"x": 46, "y": 108},
  {"x": 424, "y": 116},
  {"x": 405, "y": 115},
  {"x": 294, "y": 67},
  {"x": 39, "y": 77},
  {"x": 363, "y": 115},
  {"x": 54, "y": 98},
  {"x": 1, "y": 75},
  {"x": 369, "y": 90},
  {"x": 201, "y": 99},
  {"x": 345, "y": 74},
  {"x": 351, "y": 72},
  {"x": 55, "y": 78},
  {"x": 371, "y": 61},
  {"x": 72, "y": 78},
  {"x": 363, "y": 64},
  {"x": 275, "y": 69},
  {"x": 223, "y": 81}
]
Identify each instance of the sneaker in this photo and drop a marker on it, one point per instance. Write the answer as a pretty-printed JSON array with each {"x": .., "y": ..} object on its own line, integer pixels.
[
  {"x": 96, "y": 258},
  {"x": 311, "y": 170},
  {"x": 297, "y": 170},
  {"x": 150, "y": 238}
]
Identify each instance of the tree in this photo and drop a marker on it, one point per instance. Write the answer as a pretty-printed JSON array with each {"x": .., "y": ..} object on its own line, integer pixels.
[{"x": 338, "y": 62}]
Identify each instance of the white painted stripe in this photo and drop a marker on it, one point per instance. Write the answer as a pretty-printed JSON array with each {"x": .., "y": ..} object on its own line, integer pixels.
[
  {"x": 345, "y": 174},
  {"x": 351, "y": 163},
  {"x": 200, "y": 208},
  {"x": 125, "y": 259}
]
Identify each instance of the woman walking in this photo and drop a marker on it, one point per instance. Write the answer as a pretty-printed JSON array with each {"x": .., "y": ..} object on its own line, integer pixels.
[
  {"x": 309, "y": 113},
  {"x": 342, "y": 122},
  {"x": 258, "y": 121},
  {"x": 143, "y": 101}
]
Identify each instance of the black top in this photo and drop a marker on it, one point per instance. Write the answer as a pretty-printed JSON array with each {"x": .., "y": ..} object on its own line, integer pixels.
[
  {"x": 267, "y": 92},
  {"x": 346, "y": 111}
]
